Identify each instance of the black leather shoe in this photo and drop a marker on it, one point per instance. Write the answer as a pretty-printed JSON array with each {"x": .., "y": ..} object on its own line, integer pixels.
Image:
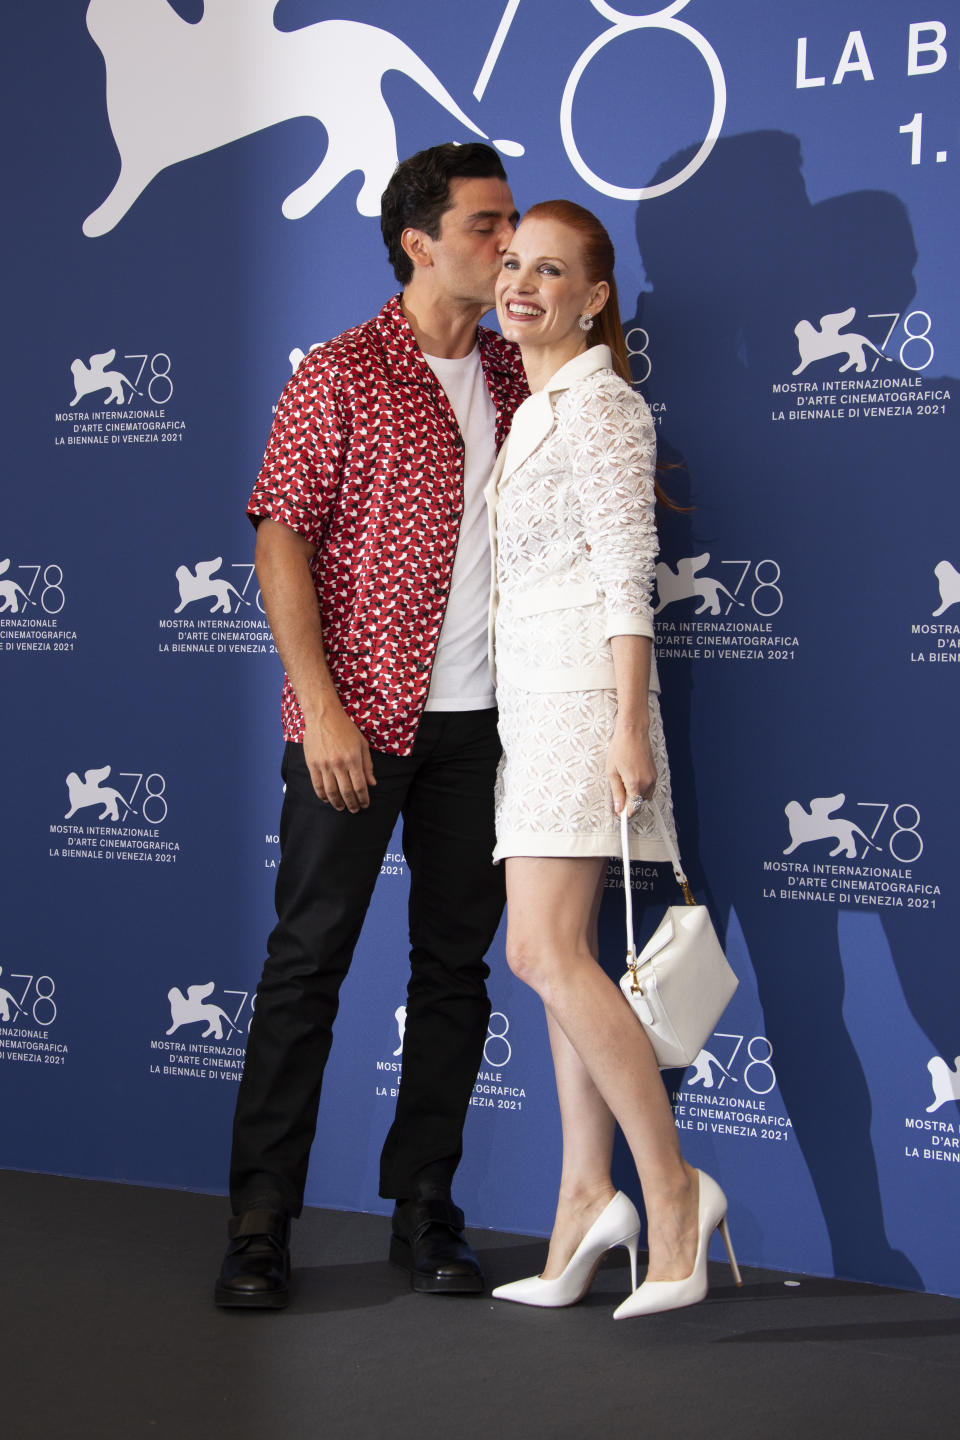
[
  {"x": 256, "y": 1268},
  {"x": 428, "y": 1240}
]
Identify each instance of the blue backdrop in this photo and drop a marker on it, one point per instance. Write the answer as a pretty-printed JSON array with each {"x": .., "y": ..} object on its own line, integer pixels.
[{"x": 192, "y": 201}]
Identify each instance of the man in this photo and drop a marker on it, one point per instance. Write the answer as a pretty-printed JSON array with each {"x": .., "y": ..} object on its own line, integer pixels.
[{"x": 373, "y": 561}]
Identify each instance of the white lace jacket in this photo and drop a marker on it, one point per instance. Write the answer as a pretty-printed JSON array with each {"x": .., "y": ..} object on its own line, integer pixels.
[{"x": 573, "y": 536}]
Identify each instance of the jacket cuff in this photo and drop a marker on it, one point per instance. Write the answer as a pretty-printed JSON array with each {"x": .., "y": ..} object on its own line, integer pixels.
[{"x": 621, "y": 623}]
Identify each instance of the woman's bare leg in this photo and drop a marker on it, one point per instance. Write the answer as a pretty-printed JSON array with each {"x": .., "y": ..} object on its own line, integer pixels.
[
  {"x": 550, "y": 905},
  {"x": 588, "y": 1127}
]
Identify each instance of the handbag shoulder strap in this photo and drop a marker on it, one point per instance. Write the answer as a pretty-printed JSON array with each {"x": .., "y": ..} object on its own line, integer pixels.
[{"x": 672, "y": 851}]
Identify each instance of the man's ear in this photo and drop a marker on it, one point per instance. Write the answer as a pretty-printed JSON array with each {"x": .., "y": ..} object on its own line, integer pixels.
[{"x": 416, "y": 245}]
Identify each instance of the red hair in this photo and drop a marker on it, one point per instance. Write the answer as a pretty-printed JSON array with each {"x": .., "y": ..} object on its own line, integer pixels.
[
  {"x": 597, "y": 257},
  {"x": 596, "y": 254}
]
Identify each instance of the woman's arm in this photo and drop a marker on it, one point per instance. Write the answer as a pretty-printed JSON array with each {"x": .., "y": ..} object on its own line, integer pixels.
[
  {"x": 630, "y": 768},
  {"x": 613, "y": 450}
]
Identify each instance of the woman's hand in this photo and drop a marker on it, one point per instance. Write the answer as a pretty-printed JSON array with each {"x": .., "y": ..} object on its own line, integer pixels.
[{"x": 630, "y": 768}]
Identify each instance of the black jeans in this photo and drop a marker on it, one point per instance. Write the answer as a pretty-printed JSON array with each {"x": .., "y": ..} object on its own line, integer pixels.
[{"x": 329, "y": 864}]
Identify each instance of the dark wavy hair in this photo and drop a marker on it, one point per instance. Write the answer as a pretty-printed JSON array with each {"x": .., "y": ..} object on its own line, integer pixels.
[
  {"x": 596, "y": 252},
  {"x": 419, "y": 193}
]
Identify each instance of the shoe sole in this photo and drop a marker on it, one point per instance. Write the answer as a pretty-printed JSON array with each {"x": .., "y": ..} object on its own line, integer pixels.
[
  {"x": 432, "y": 1284},
  {"x": 237, "y": 1300}
]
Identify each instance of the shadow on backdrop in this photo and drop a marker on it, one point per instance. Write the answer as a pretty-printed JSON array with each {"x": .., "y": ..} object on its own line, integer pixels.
[{"x": 736, "y": 258}]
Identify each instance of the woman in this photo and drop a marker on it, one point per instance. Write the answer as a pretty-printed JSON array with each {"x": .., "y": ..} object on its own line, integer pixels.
[{"x": 573, "y": 493}]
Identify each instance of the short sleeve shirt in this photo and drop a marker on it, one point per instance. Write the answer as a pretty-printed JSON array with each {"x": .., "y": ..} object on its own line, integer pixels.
[{"x": 365, "y": 460}]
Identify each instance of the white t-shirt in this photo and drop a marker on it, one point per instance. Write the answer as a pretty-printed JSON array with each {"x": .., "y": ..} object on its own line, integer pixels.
[{"x": 460, "y": 679}]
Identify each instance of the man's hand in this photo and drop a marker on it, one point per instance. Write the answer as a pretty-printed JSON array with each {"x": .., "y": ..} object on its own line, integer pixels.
[{"x": 338, "y": 758}]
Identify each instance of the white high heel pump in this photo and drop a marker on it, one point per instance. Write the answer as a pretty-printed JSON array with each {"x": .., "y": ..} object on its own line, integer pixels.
[
  {"x": 617, "y": 1224},
  {"x": 656, "y": 1295}
]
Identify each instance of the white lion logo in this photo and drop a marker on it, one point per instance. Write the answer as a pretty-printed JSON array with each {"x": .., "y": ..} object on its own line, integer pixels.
[
  {"x": 11, "y": 592},
  {"x": 6, "y": 1000},
  {"x": 827, "y": 341},
  {"x": 687, "y": 584},
  {"x": 946, "y": 1082},
  {"x": 821, "y": 824},
  {"x": 176, "y": 89},
  {"x": 400, "y": 1015},
  {"x": 297, "y": 356},
  {"x": 949, "y": 581},
  {"x": 88, "y": 379},
  {"x": 703, "y": 1069},
  {"x": 91, "y": 791},
  {"x": 201, "y": 586},
  {"x": 190, "y": 1009}
]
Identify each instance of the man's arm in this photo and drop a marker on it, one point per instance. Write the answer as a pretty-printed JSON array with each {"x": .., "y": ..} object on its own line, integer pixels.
[{"x": 337, "y": 755}]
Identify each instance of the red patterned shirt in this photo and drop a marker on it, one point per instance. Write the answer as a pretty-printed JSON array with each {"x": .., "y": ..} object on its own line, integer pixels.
[{"x": 365, "y": 460}]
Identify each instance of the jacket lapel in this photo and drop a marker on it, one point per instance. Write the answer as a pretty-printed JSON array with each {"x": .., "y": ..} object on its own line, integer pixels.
[
  {"x": 533, "y": 421},
  {"x": 531, "y": 425}
]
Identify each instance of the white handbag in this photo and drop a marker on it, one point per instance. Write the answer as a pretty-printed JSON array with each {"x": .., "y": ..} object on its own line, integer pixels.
[{"x": 680, "y": 983}]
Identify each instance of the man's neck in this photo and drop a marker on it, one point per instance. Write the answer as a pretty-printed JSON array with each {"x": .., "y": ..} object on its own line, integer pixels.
[{"x": 441, "y": 327}]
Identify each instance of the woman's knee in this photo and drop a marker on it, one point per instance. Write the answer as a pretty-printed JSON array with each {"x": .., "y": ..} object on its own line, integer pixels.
[
  {"x": 526, "y": 956},
  {"x": 544, "y": 961}
]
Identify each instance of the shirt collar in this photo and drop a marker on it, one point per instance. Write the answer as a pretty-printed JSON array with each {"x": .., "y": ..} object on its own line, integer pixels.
[
  {"x": 401, "y": 351},
  {"x": 597, "y": 357},
  {"x": 405, "y": 358}
]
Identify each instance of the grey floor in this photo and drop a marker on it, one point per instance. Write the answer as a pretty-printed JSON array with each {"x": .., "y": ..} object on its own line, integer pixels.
[{"x": 109, "y": 1331}]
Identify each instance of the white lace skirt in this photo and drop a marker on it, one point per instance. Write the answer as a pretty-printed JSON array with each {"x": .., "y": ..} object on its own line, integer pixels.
[{"x": 553, "y": 796}]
